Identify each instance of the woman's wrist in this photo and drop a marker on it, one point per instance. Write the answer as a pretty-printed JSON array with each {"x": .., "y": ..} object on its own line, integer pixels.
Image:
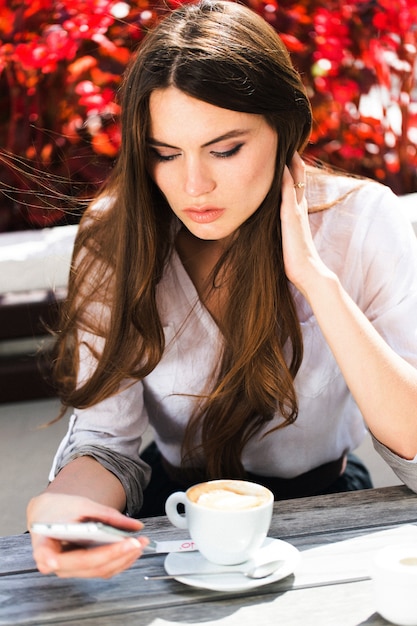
[{"x": 318, "y": 283}]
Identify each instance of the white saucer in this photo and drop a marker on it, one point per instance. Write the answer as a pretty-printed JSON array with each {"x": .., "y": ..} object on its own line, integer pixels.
[{"x": 177, "y": 563}]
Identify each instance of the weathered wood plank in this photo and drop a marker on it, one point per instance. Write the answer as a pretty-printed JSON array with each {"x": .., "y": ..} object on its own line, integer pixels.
[
  {"x": 344, "y": 511},
  {"x": 336, "y": 512},
  {"x": 35, "y": 599},
  {"x": 30, "y": 598},
  {"x": 312, "y": 607},
  {"x": 16, "y": 554}
]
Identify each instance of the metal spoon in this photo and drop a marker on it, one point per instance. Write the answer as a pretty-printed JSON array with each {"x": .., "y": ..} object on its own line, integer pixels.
[{"x": 255, "y": 571}]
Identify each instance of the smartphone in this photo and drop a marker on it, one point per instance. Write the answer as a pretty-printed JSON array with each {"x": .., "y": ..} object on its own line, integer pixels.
[{"x": 82, "y": 533}]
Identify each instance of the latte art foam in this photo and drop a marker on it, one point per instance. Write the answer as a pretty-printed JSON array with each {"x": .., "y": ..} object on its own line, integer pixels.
[
  {"x": 228, "y": 501},
  {"x": 221, "y": 495}
]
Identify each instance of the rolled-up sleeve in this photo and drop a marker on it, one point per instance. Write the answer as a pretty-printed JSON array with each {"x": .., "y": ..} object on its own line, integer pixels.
[
  {"x": 111, "y": 432},
  {"x": 406, "y": 470}
]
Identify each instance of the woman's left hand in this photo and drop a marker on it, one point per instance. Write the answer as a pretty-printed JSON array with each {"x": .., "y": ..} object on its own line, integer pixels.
[{"x": 301, "y": 259}]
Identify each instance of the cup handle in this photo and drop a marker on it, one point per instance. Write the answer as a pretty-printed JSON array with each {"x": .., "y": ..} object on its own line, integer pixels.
[{"x": 171, "y": 509}]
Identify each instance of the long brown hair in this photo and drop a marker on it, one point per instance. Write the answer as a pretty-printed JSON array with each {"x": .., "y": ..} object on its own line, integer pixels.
[{"x": 226, "y": 55}]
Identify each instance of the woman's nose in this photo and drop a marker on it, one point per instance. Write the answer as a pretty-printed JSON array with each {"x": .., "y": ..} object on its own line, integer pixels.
[{"x": 198, "y": 179}]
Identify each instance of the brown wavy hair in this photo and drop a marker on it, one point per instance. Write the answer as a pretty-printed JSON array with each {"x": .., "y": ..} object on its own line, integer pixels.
[{"x": 226, "y": 55}]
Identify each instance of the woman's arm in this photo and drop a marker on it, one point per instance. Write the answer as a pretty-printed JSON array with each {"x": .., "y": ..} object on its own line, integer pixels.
[
  {"x": 383, "y": 384},
  {"x": 86, "y": 477},
  {"x": 83, "y": 490},
  {"x": 96, "y": 474}
]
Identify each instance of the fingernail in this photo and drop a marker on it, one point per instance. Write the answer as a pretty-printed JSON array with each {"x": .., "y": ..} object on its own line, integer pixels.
[
  {"x": 134, "y": 543},
  {"x": 52, "y": 564}
]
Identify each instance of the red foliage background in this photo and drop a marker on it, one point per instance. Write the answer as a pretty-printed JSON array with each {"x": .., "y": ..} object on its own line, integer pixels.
[{"x": 61, "y": 63}]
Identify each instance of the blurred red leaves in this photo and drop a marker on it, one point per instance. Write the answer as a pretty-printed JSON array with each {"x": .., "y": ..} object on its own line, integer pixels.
[
  {"x": 61, "y": 64},
  {"x": 358, "y": 60},
  {"x": 60, "y": 68}
]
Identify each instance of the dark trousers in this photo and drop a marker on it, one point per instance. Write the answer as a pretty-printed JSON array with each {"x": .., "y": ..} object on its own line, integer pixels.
[{"x": 355, "y": 477}]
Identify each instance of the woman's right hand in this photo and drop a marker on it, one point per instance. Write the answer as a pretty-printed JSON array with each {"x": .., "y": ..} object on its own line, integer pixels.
[{"x": 54, "y": 556}]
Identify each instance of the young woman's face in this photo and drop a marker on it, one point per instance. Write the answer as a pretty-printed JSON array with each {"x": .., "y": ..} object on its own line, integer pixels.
[{"x": 214, "y": 166}]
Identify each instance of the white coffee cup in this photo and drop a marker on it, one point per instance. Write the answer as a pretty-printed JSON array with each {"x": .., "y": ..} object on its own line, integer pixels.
[
  {"x": 394, "y": 573},
  {"x": 228, "y": 520}
]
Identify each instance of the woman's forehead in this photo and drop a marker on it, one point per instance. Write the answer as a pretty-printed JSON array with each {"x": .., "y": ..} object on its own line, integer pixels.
[{"x": 174, "y": 113}]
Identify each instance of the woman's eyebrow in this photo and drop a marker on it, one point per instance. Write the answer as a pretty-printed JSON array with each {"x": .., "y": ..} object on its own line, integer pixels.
[{"x": 233, "y": 134}]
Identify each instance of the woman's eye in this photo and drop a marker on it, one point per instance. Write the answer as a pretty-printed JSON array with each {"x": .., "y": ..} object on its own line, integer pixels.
[
  {"x": 227, "y": 153},
  {"x": 162, "y": 157}
]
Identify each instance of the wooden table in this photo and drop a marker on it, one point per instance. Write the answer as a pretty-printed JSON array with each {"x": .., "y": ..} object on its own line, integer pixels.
[{"x": 333, "y": 533}]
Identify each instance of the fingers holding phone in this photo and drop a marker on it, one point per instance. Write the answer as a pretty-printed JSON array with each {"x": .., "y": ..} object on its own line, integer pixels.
[
  {"x": 103, "y": 561},
  {"x": 77, "y": 546}
]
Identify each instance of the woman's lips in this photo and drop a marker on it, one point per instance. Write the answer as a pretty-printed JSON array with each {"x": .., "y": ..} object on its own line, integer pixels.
[{"x": 204, "y": 215}]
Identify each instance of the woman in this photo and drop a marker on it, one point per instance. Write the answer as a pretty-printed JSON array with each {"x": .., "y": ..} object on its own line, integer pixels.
[{"x": 255, "y": 311}]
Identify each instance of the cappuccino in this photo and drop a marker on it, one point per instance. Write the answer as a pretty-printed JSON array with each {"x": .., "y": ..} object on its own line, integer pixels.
[
  {"x": 228, "y": 520},
  {"x": 228, "y": 495}
]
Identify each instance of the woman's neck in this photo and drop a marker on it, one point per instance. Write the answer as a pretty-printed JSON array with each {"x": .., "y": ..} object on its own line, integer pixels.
[{"x": 199, "y": 258}]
